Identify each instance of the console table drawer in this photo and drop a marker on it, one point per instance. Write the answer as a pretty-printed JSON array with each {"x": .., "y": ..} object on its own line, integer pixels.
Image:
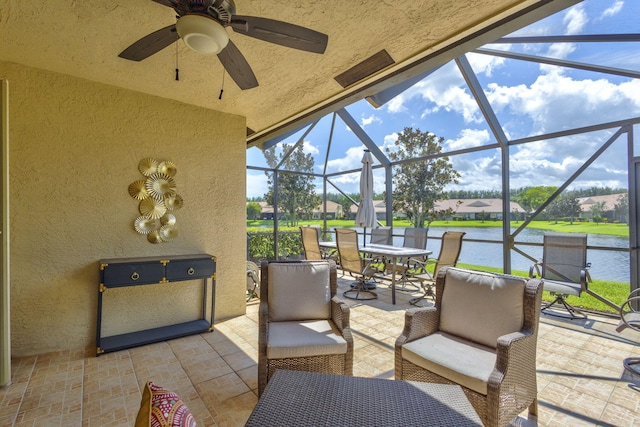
[
  {"x": 131, "y": 274},
  {"x": 190, "y": 269}
]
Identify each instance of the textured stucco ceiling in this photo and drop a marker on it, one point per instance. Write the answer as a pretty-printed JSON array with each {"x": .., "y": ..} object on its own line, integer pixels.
[{"x": 84, "y": 37}]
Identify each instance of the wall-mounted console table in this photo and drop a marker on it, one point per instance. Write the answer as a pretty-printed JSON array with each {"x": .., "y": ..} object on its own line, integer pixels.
[{"x": 123, "y": 272}]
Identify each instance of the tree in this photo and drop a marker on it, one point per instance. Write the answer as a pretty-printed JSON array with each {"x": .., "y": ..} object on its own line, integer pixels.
[
  {"x": 418, "y": 184},
  {"x": 597, "y": 212},
  {"x": 532, "y": 198},
  {"x": 621, "y": 209},
  {"x": 567, "y": 206},
  {"x": 296, "y": 191},
  {"x": 253, "y": 210}
]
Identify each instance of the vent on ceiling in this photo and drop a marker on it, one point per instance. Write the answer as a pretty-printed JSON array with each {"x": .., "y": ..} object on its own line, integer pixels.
[
  {"x": 250, "y": 131},
  {"x": 369, "y": 66}
]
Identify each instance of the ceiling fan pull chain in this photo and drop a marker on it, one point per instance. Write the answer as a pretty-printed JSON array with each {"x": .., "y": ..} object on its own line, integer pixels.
[
  {"x": 222, "y": 88},
  {"x": 177, "y": 69}
]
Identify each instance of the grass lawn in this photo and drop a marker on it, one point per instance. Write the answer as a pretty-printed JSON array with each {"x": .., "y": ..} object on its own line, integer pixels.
[{"x": 560, "y": 226}]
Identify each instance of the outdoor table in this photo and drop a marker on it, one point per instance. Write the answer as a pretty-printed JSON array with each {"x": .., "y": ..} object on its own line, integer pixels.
[
  {"x": 297, "y": 398},
  {"x": 397, "y": 254}
]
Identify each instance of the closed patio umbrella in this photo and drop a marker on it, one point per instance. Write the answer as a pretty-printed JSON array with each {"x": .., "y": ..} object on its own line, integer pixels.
[{"x": 366, "y": 215}]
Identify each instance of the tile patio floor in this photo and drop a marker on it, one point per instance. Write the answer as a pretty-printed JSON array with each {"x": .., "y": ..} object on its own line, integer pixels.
[{"x": 581, "y": 379}]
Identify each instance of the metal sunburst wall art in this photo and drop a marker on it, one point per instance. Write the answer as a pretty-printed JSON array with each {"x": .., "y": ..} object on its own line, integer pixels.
[{"x": 158, "y": 200}]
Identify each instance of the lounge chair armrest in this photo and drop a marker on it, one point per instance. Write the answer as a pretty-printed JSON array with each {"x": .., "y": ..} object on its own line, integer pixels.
[
  {"x": 418, "y": 322},
  {"x": 516, "y": 361},
  {"x": 340, "y": 313},
  {"x": 534, "y": 270}
]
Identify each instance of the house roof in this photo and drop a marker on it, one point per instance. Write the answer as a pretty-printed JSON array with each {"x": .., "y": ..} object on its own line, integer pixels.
[
  {"x": 610, "y": 201},
  {"x": 84, "y": 38}
]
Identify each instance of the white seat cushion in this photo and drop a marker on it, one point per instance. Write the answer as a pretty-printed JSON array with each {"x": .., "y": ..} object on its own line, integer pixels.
[
  {"x": 455, "y": 359},
  {"x": 299, "y": 291},
  {"x": 303, "y": 339}
]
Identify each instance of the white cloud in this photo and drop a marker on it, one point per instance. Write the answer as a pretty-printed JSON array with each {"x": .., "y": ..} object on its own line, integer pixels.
[
  {"x": 575, "y": 20},
  {"x": 468, "y": 138},
  {"x": 309, "y": 148},
  {"x": 365, "y": 121},
  {"x": 555, "y": 102},
  {"x": 351, "y": 160},
  {"x": 256, "y": 184},
  {"x": 485, "y": 64},
  {"x": 614, "y": 8}
]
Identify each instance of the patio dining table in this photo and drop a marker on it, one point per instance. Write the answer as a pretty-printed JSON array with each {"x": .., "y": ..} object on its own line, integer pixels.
[{"x": 397, "y": 254}]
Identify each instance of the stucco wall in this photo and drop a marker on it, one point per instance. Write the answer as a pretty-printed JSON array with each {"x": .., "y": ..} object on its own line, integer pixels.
[{"x": 74, "y": 150}]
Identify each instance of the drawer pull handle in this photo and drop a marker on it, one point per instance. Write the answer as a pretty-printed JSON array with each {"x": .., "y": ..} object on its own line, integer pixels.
[
  {"x": 135, "y": 276},
  {"x": 191, "y": 271}
]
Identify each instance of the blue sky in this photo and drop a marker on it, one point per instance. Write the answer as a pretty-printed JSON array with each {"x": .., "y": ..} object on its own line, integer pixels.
[{"x": 528, "y": 99}]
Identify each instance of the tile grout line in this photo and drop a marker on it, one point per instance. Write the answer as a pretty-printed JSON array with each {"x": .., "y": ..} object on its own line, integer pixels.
[{"x": 24, "y": 392}]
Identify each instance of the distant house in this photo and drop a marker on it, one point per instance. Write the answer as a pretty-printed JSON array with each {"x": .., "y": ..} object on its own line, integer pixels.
[
  {"x": 609, "y": 206},
  {"x": 479, "y": 208},
  {"x": 267, "y": 211},
  {"x": 378, "y": 205},
  {"x": 334, "y": 210},
  {"x": 461, "y": 208}
]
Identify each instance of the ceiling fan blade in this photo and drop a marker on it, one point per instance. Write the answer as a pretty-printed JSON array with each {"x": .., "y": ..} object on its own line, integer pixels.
[
  {"x": 281, "y": 33},
  {"x": 150, "y": 44},
  {"x": 167, "y": 3},
  {"x": 238, "y": 68}
]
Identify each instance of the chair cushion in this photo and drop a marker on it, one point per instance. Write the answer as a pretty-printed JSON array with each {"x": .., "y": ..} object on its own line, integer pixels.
[
  {"x": 299, "y": 291},
  {"x": 303, "y": 339},
  {"x": 162, "y": 408},
  {"x": 455, "y": 359},
  {"x": 564, "y": 288},
  {"x": 481, "y": 306}
]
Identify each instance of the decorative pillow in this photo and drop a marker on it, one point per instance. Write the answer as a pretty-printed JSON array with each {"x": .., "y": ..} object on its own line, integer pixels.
[{"x": 162, "y": 408}]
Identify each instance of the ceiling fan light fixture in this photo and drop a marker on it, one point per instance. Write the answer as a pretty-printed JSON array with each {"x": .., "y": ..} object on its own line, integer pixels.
[{"x": 202, "y": 34}]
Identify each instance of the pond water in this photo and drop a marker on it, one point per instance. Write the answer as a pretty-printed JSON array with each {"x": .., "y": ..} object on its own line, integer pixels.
[{"x": 605, "y": 265}]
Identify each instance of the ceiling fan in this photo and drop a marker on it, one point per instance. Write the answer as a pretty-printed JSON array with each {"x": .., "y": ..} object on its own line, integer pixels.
[{"x": 201, "y": 25}]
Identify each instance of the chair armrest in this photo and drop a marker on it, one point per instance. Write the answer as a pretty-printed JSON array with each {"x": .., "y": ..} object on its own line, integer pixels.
[
  {"x": 340, "y": 313},
  {"x": 263, "y": 322},
  {"x": 535, "y": 266},
  {"x": 418, "y": 322},
  {"x": 514, "y": 375}
]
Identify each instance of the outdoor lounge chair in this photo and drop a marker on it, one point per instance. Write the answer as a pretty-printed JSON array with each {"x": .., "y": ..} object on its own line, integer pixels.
[
  {"x": 564, "y": 270},
  {"x": 630, "y": 318},
  {"x": 253, "y": 280},
  {"x": 449, "y": 253},
  {"x": 481, "y": 334},
  {"x": 302, "y": 325},
  {"x": 352, "y": 262}
]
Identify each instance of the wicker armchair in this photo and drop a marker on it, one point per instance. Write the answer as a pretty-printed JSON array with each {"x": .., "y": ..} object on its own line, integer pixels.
[
  {"x": 481, "y": 334},
  {"x": 302, "y": 324}
]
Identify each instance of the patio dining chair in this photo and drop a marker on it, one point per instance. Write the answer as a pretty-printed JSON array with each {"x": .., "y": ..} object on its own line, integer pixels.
[
  {"x": 302, "y": 325},
  {"x": 413, "y": 238},
  {"x": 310, "y": 243},
  {"x": 352, "y": 262},
  {"x": 381, "y": 236},
  {"x": 448, "y": 257}
]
